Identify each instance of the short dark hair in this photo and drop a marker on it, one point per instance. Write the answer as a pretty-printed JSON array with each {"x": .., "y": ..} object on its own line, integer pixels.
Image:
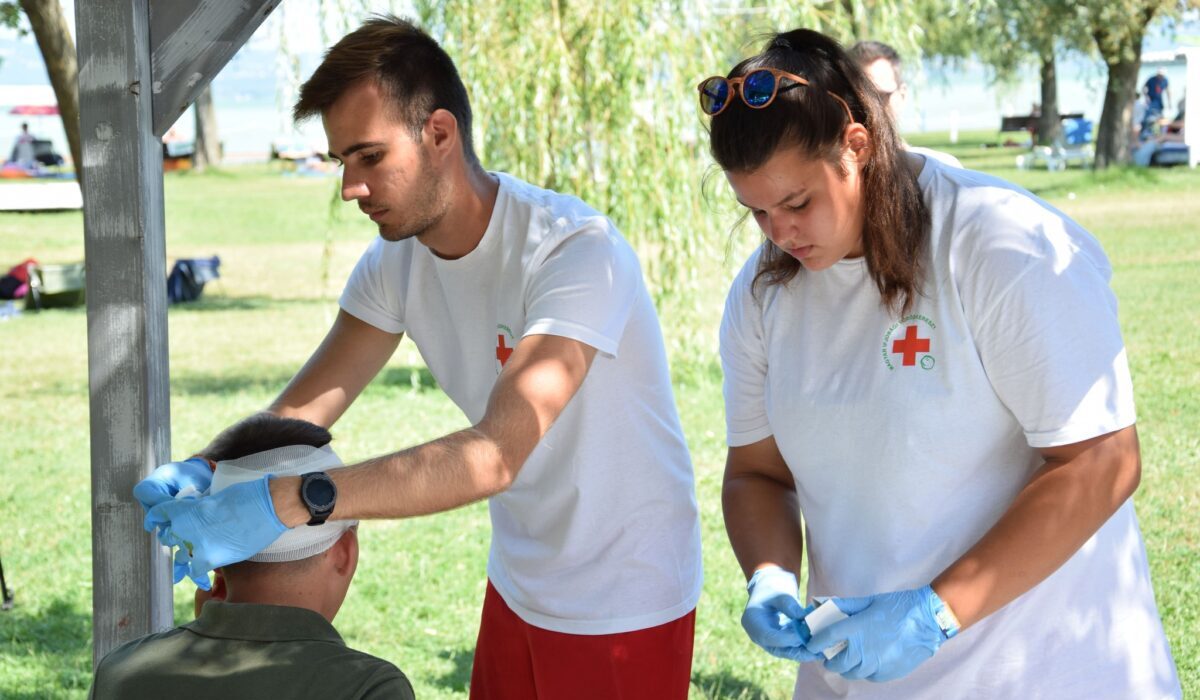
[
  {"x": 415, "y": 74},
  {"x": 265, "y": 431},
  {"x": 896, "y": 222},
  {"x": 867, "y": 52}
]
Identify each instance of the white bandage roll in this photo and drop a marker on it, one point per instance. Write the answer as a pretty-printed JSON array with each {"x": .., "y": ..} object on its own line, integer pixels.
[{"x": 299, "y": 542}]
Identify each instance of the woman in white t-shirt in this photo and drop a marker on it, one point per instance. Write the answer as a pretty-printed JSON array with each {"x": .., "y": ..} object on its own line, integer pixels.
[{"x": 924, "y": 362}]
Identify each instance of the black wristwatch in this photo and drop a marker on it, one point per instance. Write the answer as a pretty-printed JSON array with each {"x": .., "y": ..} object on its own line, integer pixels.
[{"x": 319, "y": 494}]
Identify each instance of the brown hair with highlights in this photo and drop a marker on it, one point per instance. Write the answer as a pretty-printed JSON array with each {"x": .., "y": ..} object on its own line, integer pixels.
[{"x": 896, "y": 221}]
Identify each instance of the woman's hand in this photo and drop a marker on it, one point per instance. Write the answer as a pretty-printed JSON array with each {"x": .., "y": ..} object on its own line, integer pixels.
[
  {"x": 774, "y": 612},
  {"x": 887, "y": 635}
]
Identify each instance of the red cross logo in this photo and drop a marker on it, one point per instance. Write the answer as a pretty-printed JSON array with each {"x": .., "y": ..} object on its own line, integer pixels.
[
  {"x": 503, "y": 352},
  {"x": 909, "y": 346}
]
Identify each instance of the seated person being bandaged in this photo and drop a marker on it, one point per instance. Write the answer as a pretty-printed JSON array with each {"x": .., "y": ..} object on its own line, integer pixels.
[{"x": 272, "y": 635}]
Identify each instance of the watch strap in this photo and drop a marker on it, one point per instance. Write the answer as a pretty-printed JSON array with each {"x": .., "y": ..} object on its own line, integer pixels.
[{"x": 945, "y": 618}]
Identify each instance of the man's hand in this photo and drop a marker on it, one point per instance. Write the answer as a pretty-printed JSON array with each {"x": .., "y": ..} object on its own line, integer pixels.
[
  {"x": 773, "y": 614},
  {"x": 216, "y": 530},
  {"x": 168, "y": 480},
  {"x": 887, "y": 635}
]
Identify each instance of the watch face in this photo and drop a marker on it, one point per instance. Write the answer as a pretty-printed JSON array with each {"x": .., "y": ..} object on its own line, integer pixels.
[{"x": 319, "y": 493}]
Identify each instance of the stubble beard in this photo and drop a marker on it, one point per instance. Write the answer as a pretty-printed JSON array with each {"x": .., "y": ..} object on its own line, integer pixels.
[{"x": 429, "y": 207}]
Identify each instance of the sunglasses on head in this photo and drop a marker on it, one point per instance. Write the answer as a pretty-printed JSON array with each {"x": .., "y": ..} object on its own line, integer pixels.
[{"x": 758, "y": 89}]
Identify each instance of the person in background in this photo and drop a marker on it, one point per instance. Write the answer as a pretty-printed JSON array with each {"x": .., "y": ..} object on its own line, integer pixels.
[
  {"x": 1140, "y": 105},
  {"x": 883, "y": 66},
  {"x": 927, "y": 393},
  {"x": 1156, "y": 87},
  {"x": 272, "y": 635},
  {"x": 23, "y": 151}
]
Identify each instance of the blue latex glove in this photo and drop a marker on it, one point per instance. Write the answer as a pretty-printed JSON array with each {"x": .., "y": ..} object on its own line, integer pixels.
[
  {"x": 213, "y": 531},
  {"x": 773, "y": 614},
  {"x": 165, "y": 482},
  {"x": 180, "y": 568},
  {"x": 888, "y": 635}
]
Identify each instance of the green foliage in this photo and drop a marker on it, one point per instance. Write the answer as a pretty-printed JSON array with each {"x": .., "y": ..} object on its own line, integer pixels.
[
  {"x": 1118, "y": 26},
  {"x": 1005, "y": 35},
  {"x": 593, "y": 98},
  {"x": 598, "y": 100},
  {"x": 10, "y": 15}
]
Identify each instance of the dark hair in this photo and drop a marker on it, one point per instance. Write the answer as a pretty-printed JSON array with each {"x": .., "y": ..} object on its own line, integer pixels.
[
  {"x": 415, "y": 74},
  {"x": 867, "y": 52},
  {"x": 895, "y": 219},
  {"x": 265, "y": 431}
]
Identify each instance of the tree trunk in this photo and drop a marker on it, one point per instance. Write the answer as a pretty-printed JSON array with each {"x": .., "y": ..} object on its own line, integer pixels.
[
  {"x": 1113, "y": 142},
  {"x": 58, "y": 51},
  {"x": 1049, "y": 125},
  {"x": 208, "y": 142},
  {"x": 1123, "y": 54}
]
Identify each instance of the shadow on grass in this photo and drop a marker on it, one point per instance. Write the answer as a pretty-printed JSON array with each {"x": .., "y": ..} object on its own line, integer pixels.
[
  {"x": 725, "y": 686},
  {"x": 268, "y": 380},
  {"x": 460, "y": 675},
  {"x": 220, "y": 302},
  {"x": 273, "y": 379},
  {"x": 55, "y": 637}
]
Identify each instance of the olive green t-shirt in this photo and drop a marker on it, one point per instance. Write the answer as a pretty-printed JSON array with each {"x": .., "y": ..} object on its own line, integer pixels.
[{"x": 234, "y": 651}]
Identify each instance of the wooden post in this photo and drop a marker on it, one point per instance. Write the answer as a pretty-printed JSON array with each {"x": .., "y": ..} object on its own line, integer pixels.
[{"x": 127, "y": 315}]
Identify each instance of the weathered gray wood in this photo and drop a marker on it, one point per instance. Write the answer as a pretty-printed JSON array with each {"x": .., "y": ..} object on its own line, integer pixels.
[
  {"x": 191, "y": 41},
  {"x": 127, "y": 315}
]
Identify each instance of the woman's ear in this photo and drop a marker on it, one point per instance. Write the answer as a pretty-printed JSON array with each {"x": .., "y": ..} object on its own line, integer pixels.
[{"x": 858, "y": 148}]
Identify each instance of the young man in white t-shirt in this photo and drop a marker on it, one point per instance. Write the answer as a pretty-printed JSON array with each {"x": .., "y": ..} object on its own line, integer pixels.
[{"x": 531, "y": 312}]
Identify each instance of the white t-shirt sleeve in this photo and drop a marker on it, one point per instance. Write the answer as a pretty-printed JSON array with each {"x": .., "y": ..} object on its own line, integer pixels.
[
  {"x": 584, "y": 289},
  {"x": 1044, "y": 319},
  {"x": 744, "y": 363},
  {"x": 366, "y": 296}
]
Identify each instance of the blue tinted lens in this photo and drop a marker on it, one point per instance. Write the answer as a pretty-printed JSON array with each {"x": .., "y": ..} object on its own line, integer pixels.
[
  {"x": 713, "y": 95},
  {"x": 758, "y": 88}
]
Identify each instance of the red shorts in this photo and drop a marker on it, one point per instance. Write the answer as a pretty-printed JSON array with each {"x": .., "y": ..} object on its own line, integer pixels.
[{"x": 517, "y": 661}]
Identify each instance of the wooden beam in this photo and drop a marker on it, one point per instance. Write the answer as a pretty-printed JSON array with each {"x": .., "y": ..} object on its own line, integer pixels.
[
  {"x": 190, "y": 43},
  {"x": 125, "y": 247}
]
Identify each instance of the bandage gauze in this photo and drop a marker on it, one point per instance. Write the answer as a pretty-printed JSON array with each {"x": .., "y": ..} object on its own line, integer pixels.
[{"x": 299, "y": 542}]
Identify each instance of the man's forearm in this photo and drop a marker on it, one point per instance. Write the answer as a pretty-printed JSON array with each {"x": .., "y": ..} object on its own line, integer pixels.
[
  {"x": 446, "y": 473},
  {"x": 541, "y": 376}
]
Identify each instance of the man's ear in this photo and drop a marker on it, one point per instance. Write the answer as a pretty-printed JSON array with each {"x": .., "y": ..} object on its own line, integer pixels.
[
  {"x": 858, "y": 146},
  {"x": 440, "y": 134},
  {"x": 344, "y": 553}
]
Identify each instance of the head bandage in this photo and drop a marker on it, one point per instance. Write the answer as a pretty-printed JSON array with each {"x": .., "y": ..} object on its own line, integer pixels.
[{"x": 299, "y": 542}]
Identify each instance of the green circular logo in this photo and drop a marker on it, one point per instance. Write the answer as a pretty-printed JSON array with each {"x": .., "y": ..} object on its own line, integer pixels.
[{"x": 927, "y": 362}]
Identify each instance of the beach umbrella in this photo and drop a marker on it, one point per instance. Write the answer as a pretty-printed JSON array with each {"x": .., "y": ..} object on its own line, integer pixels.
[{"x": 35, "y": 110}]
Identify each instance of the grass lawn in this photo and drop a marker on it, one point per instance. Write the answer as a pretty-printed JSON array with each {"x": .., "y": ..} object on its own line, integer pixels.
[{"x": 285, "y": 252}]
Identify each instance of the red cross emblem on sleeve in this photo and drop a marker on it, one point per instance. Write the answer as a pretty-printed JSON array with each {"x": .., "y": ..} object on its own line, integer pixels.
[
  {"x": 502, "y": 352},
  {"x": 908, "y": 346}
]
